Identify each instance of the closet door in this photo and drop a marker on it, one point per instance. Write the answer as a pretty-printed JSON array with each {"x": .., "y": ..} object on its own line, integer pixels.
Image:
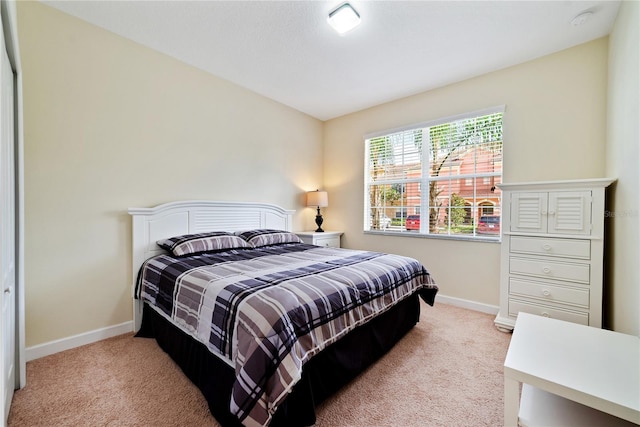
[{"x": 7, "y": 230}]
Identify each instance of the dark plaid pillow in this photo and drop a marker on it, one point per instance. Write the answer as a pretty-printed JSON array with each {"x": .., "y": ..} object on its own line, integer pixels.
[
  {"x": 190, "y": 244},
  {"x": 268, "y": 237}
]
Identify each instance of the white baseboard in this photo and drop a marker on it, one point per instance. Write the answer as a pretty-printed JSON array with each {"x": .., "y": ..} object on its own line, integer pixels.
[
  {"x": 471, "y": 305},
  {"x": 52, "y": 347},
  {"x": 41, "y": 350}
]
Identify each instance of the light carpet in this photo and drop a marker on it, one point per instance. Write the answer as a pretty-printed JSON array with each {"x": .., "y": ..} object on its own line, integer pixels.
[{"x": 447, "y": 371}]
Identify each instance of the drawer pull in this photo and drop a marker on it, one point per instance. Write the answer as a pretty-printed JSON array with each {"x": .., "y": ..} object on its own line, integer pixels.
[
  {"x": 544, "y": 314},
  {"x": 546, "y": 270},
  {"x": 546, "y": 292},
  {"x": 546, "y": 247}
]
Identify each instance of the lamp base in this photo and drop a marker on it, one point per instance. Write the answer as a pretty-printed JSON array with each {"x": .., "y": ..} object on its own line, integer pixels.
[{"x": 319, "y": 221}]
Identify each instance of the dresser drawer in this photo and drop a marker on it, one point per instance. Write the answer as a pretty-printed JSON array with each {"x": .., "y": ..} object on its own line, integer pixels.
[
  {"x": 326, "y": 239},
  {"x": 548, "y": 292},
  {"x": 332, "y": 242},
  {"x": 549, "y": 269},
  {"x": 570, "y": 248},
  {"x": 570, "y": 316}
]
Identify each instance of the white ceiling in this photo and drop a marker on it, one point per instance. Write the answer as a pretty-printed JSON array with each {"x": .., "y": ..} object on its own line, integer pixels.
[{"x": 285, "y": 50}]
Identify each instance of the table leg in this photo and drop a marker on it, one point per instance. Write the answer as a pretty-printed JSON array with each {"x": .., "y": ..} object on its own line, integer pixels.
[{"x": 511, "y": 402}]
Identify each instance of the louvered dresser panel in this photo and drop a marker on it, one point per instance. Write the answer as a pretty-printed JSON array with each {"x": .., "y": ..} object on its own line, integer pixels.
[
  {"x": 552, "y": 251},
  {"x": 569, "y": 212},
  {"x": 528, "y": 212}
]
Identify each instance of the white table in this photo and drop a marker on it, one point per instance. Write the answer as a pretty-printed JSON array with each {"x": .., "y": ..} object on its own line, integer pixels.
[{"x": 594, "y": 367}]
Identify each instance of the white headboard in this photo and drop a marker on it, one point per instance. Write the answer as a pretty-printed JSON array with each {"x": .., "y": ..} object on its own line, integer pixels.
[{"x": 196, "y": 216}]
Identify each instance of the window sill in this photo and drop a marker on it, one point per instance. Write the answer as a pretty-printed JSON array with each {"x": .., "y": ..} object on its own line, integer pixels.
[{"x": 480, "y": 239}]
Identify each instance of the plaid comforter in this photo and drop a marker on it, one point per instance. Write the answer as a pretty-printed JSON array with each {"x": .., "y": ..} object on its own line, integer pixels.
[{"x": 269, "y": 310}]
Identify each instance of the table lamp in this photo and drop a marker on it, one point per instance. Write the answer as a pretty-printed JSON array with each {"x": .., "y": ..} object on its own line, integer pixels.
[{"x": 319, "y": 199}]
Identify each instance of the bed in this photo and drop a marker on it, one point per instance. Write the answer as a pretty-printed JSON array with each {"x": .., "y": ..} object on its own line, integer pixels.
[{"x": 267, "y": 327}]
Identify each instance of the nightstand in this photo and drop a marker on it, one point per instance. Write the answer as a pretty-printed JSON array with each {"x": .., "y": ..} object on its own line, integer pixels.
[{"x": 329, "y": 239}]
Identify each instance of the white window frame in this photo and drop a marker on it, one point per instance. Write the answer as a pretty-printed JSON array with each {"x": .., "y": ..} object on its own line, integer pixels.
[{"x": 425, "y": 179}]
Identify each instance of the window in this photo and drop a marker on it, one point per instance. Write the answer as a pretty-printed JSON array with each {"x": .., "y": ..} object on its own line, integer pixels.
[
  {"x": 486, "y": 208},
  {"x": 447, "y": 169}
]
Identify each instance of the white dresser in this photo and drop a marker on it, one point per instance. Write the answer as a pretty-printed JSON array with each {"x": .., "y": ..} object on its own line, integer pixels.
[
  {"x": 327, "y": 238},
  {"x": 552, "y": 251}
]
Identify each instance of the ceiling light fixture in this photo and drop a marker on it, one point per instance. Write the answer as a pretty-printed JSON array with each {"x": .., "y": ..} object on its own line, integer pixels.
[{"x": 344, "y": 18}]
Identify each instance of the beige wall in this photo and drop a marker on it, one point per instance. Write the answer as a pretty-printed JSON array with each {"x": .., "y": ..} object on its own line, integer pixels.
[
  {"x": 110, "y": 125},
  {"x": 623, "y": 159},
  {"x": 554, "y": 129}
]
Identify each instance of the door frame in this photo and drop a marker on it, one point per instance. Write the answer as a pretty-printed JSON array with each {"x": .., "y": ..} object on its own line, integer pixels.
[{"x": 9, "y": 14}]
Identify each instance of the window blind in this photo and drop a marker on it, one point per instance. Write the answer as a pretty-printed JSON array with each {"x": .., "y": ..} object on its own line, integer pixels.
[{"x": 436, "y": 178}]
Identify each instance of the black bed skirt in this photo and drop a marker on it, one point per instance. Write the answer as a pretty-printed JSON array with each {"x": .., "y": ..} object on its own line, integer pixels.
[{"x": 322, "y": 376}]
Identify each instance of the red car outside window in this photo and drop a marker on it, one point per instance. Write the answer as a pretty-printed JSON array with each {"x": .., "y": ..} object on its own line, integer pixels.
[
  {"x": 489, "y": 225},
  {"x": 413, "y": 222}
]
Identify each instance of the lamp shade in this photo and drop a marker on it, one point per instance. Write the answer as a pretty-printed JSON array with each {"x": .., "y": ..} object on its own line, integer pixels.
[{"x": 317, "y": 198}]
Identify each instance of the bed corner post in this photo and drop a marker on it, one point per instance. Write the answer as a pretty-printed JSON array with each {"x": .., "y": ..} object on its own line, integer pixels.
[{"x": 138, "y": 249}]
